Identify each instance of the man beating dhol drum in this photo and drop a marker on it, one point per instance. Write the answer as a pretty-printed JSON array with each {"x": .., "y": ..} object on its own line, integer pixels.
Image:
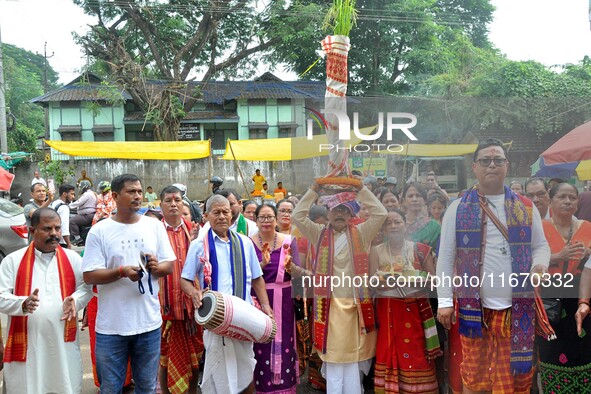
[{"x": 225, "y": 261}]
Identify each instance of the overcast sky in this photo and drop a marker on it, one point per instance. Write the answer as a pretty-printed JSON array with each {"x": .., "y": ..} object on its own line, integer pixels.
[{"x": 549, "y": 31}]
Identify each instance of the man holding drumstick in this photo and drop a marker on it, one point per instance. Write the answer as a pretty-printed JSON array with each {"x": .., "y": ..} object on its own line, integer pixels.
[{"x": 217, "y": 258}]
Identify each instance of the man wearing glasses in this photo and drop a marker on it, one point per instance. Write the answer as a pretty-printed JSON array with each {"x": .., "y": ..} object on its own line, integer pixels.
[
  {"x": 489, "y": 235},
  {"x": 126, "y": 254}
]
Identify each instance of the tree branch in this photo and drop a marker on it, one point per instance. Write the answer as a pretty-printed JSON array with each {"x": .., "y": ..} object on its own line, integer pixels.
[
  {"x": 396, "y": 72},
  {"x": 194, "y": 46},
  {"x": 152, "y": 39},
  {"x": 238, "y": 57}
]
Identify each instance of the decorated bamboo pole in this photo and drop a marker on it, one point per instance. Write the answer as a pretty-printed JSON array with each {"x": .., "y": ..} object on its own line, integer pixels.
[
  {"x": 341, "y": 17},
  {"x": 239, "y": 170}
]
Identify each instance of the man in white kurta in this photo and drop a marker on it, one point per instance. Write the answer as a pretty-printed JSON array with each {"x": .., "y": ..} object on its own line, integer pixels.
[
  {"x": 348, "y": 351},
  {"x": 52, "y": 365}
]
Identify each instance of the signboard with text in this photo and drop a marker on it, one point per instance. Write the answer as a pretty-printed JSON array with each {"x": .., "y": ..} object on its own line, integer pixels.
[
  {"x": 189, "y": 132},
  {"x": 375, "y": 166}
]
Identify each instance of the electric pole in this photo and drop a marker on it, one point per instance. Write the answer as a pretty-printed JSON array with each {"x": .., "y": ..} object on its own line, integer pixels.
[
  {"x": 45, "y": 83},
  {"x": 3, "y": 141},
  {"x": 46, "y": 88}
]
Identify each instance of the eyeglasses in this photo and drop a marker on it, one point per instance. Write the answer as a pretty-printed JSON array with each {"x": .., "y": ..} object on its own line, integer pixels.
[
  {"x": 264, "y": 219},
  {"x": 499, "y": 161},
  {"x": 285, "y": 211}
]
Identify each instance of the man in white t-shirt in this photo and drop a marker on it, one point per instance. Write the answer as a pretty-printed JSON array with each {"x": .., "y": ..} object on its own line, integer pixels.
[
  {"x": 67, "y": 194},
  {"x": 496, "y": 313},
  {"x": 126, "y": 254},
  {"x": 37, "y": 179}
]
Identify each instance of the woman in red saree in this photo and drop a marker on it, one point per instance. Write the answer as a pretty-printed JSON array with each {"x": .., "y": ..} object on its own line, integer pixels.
[{"x": 407, "y": 338}]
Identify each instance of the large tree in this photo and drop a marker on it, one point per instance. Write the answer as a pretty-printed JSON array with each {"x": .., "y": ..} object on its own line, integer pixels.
[
  {"x": 177, "y": 40},
  {"x": 24, "y": 73},
  {"x": 396, "y": 41}
]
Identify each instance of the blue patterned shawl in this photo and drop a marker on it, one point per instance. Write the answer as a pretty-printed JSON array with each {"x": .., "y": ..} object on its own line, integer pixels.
[{"x": 468, "y": 242}]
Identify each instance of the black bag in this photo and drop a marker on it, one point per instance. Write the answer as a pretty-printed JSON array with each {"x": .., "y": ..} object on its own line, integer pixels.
[
  {"x": 553, "y": 307},
  {"x": 298, "y": 304}
]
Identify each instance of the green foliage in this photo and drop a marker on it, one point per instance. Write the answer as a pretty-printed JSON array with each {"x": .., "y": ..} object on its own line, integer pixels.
[
  {"x": 483, "y": 91},
  {"x": 341, "y": 17},
  {"x": 57, "y": 170},
  {"x": 23, "y": 73},
  {"x": 22, "y": 139},
  {"x": 133, "y": 41},
  {"x": 108, "y": 94},
  {"x": 300, "y": 31},
  {"x": 34, "y": 63},
  {"x": 395, "y": 44}
]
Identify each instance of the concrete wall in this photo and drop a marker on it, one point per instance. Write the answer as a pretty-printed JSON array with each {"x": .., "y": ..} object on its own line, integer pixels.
[{"x": 296, "y": 175}]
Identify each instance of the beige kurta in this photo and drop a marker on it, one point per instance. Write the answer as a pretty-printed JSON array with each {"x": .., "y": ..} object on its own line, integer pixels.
[
  {"x": 345, "y": 342},
  {"x": 52, "y": 366}
]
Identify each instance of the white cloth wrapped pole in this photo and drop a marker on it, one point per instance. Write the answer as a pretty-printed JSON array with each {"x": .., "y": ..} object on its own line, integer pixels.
[{"x": 336, "y": 49}]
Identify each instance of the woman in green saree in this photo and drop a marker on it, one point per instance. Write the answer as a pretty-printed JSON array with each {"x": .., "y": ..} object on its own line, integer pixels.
[{"x": 420, "y": 227}]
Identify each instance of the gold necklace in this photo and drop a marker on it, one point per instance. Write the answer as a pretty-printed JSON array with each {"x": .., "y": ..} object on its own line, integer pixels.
[{"x": 403, "y": 254}]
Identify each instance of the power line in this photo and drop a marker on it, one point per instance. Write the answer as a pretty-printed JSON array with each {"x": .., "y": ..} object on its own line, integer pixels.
[{"x": 365, "y": 14}]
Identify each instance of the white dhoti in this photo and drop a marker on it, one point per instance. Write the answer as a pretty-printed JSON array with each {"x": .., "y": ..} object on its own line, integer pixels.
[
  {"x": 345, "y": 378},
  {"x": 229, "y": 364}
]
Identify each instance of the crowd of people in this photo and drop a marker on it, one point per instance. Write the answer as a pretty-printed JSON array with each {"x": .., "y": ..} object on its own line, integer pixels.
[{"x": 144, "y": 272}]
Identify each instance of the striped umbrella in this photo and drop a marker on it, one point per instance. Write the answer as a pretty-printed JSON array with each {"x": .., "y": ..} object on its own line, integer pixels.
[{"x": 569, "y": 155}]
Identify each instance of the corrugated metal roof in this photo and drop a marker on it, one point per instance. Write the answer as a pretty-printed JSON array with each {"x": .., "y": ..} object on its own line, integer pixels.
[
  {"x": 82, "y": 92},
  {"x": 216, "y": 92},
  {"x": 193, "y": 115}
]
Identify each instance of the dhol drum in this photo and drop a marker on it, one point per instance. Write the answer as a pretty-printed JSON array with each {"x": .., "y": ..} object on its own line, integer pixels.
[{"x": 235, "y": 318}]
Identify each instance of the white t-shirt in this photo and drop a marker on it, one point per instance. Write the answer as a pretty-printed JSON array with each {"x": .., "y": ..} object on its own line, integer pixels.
[
  {"x": 64, "y": 212},
  {"x": 496, "y": 292},
  {"x": 39, "y": 180},
  {"x": 123, "y": 310}
]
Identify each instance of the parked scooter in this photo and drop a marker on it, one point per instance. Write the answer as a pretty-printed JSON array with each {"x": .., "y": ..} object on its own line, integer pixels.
[{"x": 18, "y": 200}]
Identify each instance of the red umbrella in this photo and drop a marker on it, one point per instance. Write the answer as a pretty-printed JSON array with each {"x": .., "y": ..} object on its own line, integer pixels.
[
  {"x": 6, "y": 179},
  {"x": 569, "y": 155},
  {"x": 573, "y": 146}
]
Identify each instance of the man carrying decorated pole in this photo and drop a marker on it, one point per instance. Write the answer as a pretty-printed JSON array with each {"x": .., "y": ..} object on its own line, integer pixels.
[
  {"x": 344, "y": 319},
  {"x": 344, "y": 327}
]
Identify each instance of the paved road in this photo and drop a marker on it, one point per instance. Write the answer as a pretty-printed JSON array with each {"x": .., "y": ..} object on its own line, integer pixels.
[{"x": 88, "y": 386}]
